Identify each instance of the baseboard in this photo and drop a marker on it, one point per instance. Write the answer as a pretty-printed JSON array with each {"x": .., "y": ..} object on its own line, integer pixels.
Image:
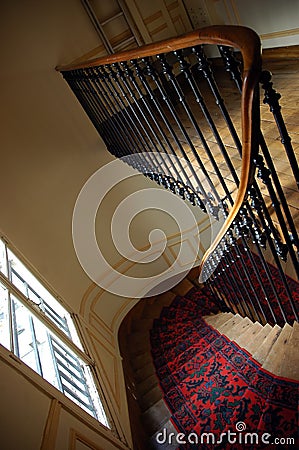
[{"x": 277, "y": 53}]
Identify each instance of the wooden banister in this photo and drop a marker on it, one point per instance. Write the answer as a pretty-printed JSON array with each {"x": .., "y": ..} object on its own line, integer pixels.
[
  {"x": 248, "y": 42},
  {"x": 245, "y": 39}
]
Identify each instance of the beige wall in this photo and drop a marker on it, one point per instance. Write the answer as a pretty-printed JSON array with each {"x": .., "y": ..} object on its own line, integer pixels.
[
  {"x": 49, "y": 149},
  {"x": 33, "y": 415},
  {"x": 275, "y": 21}
]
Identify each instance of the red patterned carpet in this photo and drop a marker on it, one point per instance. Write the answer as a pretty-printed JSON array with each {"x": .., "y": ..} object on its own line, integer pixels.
[{"x": 211, "y": 385}]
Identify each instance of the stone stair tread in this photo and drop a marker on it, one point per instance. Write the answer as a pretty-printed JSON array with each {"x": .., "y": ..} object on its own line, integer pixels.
[
  {"x": 193, "y": 275},
  {"x": 150, "y": 398},
  {"x": 290, "y": 359},
  {"x": 254, "y": 344},
  {"x": 157, "y": 440},
  {"x": 140, "y": 360},
  {"x": 150, "y": 300},
  {"x": 138, "y": 309},
  {"x": 138, "y": 342},
  {"x": 155, "y": 308},
  {"x": 135, "y": 336},
  {"x": 216, "y": 320},
  {"x": 146, "y": 385},
  {"x": 145, "y": 371},
  {"x": 155, "y": 417},
  {"x": 248, "y": 334},
  {"x": 183, "y": 287},
  {"x": 239, "y": 328},
  {"x": 262, "y": 352},
  {"x": 273, "y": 362},
  {"x": 141, "y": 324},
  {"x": 229, "y": 323}
]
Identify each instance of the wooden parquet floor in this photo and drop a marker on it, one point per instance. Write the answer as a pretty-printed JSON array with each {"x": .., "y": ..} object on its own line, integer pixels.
[{"x": 286, "y": 82}]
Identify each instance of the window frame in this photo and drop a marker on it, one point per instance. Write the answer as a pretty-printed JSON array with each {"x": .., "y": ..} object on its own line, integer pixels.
[{"x": 34, "y": 310}]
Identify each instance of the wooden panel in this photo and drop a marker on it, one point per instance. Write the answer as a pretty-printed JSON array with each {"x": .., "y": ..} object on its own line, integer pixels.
[
  {"x": 73, "y": 434},
  {"x": 22, "y": 405}
]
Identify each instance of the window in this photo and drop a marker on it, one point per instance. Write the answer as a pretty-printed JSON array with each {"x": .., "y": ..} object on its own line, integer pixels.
[{"x": 39, "y": 331}]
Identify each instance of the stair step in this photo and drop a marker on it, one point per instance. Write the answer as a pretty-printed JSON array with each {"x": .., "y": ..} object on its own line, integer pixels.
[
  {"x": 150, "y": 398},
  {"x": 157, "y": 440},
  {"x": 146, "y": 385},
  {"x": 140, "y": 361},
  {"x": 262, "y": 352},
  {"x": 193, "y": 275},
  {"x": 254, "y": 344},
  {"x": 226, "y": 326},
  {"x": 183, "y": 287},
  {"x": 155, "y": 417},
  {"x": 248, "y": 334},
  {"x": 154, "y": 310},
  {"x": 150, "y": 300},
  {"x": 239, "y": 328},
  {"x": 273, "y": 362},
  {"x": 290, "y": 359},
  {"x": 138, "y": 309},
  {"x": 139, "y": 342},
  {"x": 144, "y": 372},
  {"x": 142, "y": 324},
  {"x": 218, "y": 319}
]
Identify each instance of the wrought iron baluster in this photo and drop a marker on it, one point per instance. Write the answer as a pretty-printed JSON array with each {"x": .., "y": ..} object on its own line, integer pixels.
[
  {"x": 148, "y": 148},
  {"x": 108, "y": 110},
  {"x": 294, "y": 238},
  {"x": 184, "y": 67},
  {"x": 148, "y": 116},
  {"x": 218, "y": 297},
  {"x": 124, "y": 142},
  {"x": 83, "y": 90},
  {"x": 153, "y": 107},
  {"x": 243, "y": 289},
  {"x": 168, "y": 71},
  {"x": 101, "y": 114},
  {"x": 204, "y": 67},
  {"x": 237, "y": 298},
  {"x": 153, "y": 74},
  {"x": 272, "y": 99},
  {"x": 260, "y": 312},
  {"x": 117, "y": 92},
  {"x": 98, "y": 111}
]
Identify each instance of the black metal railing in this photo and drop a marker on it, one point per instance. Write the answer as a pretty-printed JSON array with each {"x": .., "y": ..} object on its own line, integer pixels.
[{"x": 193, "y": 126}]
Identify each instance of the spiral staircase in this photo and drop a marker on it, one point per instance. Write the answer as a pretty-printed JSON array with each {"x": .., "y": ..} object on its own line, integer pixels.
[
  {"x": 274, "y": 347},
  {"x": 168, "y": 110}
]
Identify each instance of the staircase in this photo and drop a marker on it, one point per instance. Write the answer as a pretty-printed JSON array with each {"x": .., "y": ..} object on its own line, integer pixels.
[{"x": 275, "y": 348}]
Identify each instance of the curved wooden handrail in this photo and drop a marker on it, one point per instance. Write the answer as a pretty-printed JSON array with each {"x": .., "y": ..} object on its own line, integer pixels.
[
  {"x": 248, "y": 42},
  {"x": 232, "y": 35}
]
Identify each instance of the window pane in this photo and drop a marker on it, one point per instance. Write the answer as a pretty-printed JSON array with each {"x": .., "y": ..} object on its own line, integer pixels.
[
  {"x": 47, "y": 355},
  {"x": 95, "y": 396},
  {"x": 4, "y": 318},
  {"x": 25, "y": 345},
  {"x": 3, "y": 264},
  {"x": 29, "y": 285},
  {"x": 71, "y": 376}
]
